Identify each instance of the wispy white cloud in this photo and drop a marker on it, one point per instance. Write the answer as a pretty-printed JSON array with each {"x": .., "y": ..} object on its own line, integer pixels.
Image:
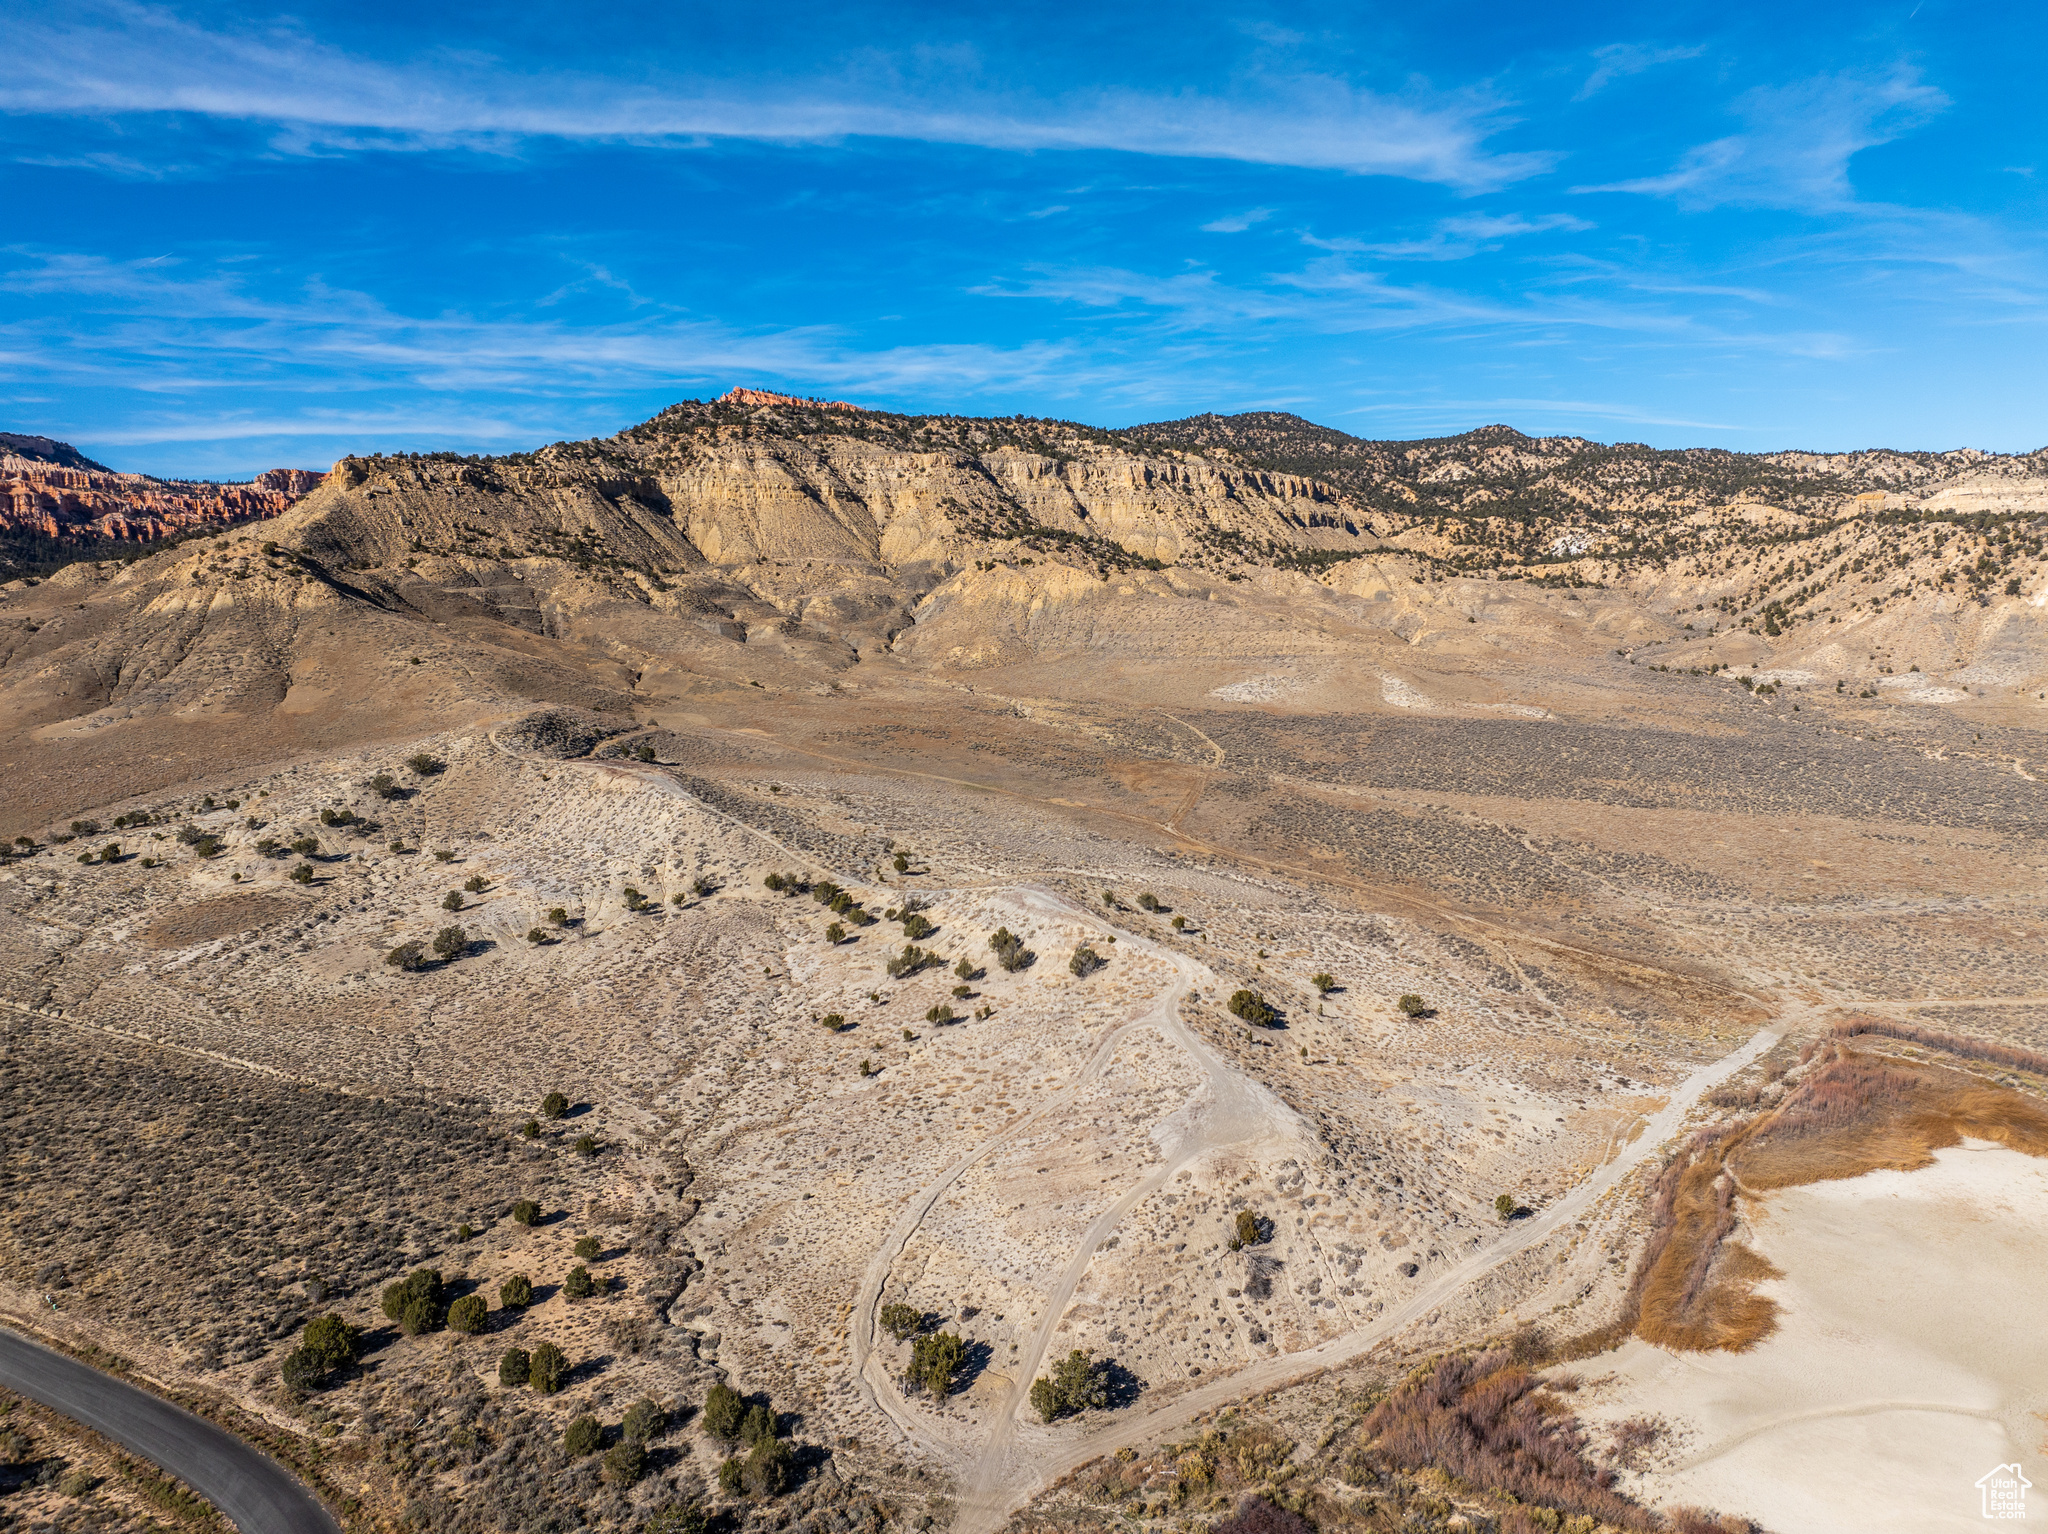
[
  {"x": 1455, "y": 239},
  {"x": 1237, "y": 223},
  {"x": 1797, "y": 144},
  {"x": 125, "y": 59},
  {"x": 207, "y": 332},
  {"x": 1619, "y": 60}
]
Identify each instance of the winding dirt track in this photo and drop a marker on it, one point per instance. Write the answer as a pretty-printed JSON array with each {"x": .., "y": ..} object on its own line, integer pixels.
[{"x": 1020, "y": 1457}]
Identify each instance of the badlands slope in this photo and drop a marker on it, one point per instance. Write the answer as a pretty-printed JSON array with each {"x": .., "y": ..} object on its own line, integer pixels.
[{"x": 1631, "y": 784}]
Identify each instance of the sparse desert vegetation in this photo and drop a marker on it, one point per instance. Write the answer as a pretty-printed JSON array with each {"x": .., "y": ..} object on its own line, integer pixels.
[{"x": 1386, "y": 952}]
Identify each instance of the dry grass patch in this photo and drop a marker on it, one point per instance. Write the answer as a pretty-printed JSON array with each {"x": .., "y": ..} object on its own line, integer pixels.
[
  {"x": 1852, "y": 1113},
  {"x": 203, "y": 920}
]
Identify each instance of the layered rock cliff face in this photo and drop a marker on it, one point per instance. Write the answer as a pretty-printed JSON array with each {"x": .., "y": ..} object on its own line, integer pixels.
[
  {"x": 50, "y": 490},
  {"x": 752, "y": 542},
  {"x": 756, "y": 477}
]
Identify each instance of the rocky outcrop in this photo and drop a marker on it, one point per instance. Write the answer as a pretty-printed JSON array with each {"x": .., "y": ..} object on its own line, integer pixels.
[{"x": 61, "y": 495}]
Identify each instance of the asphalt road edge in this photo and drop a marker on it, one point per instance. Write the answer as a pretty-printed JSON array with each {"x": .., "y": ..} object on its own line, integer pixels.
[{"x": 298, "y": 1458}]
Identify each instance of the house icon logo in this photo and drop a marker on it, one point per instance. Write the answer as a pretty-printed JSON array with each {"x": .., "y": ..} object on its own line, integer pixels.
[{"x": 2004, "y": 1491}]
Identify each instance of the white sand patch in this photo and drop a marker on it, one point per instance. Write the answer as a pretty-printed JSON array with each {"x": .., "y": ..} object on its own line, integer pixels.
[
  {"x": 1397, "y": 692},
  {"x": 1921, "y": 689},
  {"x": 1261, "y": 689},
  {"x": 1907, "y": 1361},
  {"x": 1519, "y": 710}
]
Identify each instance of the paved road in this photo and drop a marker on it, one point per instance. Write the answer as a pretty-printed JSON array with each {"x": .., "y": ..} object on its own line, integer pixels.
[{"x": 257, "y": 1495}]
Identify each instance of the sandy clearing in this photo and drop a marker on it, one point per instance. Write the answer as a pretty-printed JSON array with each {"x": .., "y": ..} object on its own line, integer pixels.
[{"x": 1906, "y": 1363}]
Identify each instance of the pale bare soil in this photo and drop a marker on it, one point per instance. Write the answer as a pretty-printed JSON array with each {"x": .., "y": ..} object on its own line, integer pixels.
[
  {"x": 1899, "y": 1372},
  {"x": 1609, "y": 887}
]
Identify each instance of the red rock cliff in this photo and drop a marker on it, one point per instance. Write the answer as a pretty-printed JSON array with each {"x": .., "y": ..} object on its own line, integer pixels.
[{"x": 69, "y": 503}]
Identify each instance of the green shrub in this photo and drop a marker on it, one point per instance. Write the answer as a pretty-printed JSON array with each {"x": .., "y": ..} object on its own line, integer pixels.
[
  {"x": 1010, "y": 951},
  {"x": 415, "y": 1302},
  {"x": 1249, "y": 1231},
  {"x": 1324, "y": 982},
  {"x": 452, "y": 901},
  {"x": 625, "y": 1463},
  {"x": 724, "y": 1411},
  {"x": 1077, "y": 1384},
  {"x": 424, "y": 765},
  {"x": 526, "y": 1212},
  {"x": 515, "y": 1367},
  {"x": 679, "y": 1518},
  {"x": 901, "y": 1321},
  {"x": 587, "y": 1248},
  {"x": 385, "y": 786},
  {"x": 557, "y": 916},
  {"x": 516, "y": 1293},
  {"x": 1180, "y": 924},
  {"x": 450, "y": 942},
  {"x": 909, "y": 962},
  {"x": 835, "y": 933},
  {"x": 915, "y": 926},
  {"x": 770, "y": 1469},
  {"x": 303, "y": 874},
  {"x": 584, "y": 1435},
  {"x": 1413, "y": 1005},
  {"x": 835, "y": 1022},
  {"x": 578, "y": 1285},
  {"x": 1150, "y": 902},
  {"x": 645, "y": 1421},
  {"x": 1504, "y": 1206},
  {"x": 469, "y": 1315},
  {"x": 301, "y": 1371},
  {"x": 935, "y": 1360},
  {"x": 732, "y": 1476},
  {"x": 331, "y": 1341},
  {"x": 757, "y": 1424},
  {"x": 549, "y": 1369},
  {"x": 773, "y": 882},
  {"x": 644, "y": 752},
  {"x": 1045, "y": 1400},
  {"x": 407, "y": 956},
  {"x": 1085, "y": 961},
  {"x": 586, "y": 1145},
  {"x": 305, "y": 846},
  {"x": 476, "y": 884},
  {"x": 536, "y": 935},
  {"x": 1252, "y": 1007},
  {"x": 554, "y": 1106},
  {"x": 941, "y": 1014}
]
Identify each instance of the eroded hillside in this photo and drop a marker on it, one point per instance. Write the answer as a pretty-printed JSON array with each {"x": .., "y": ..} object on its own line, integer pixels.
[{"x": 956, "y": 874}]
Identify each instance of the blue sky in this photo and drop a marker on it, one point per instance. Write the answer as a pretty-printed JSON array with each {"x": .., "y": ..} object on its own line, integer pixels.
[{"x": 238, "y": 238}]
